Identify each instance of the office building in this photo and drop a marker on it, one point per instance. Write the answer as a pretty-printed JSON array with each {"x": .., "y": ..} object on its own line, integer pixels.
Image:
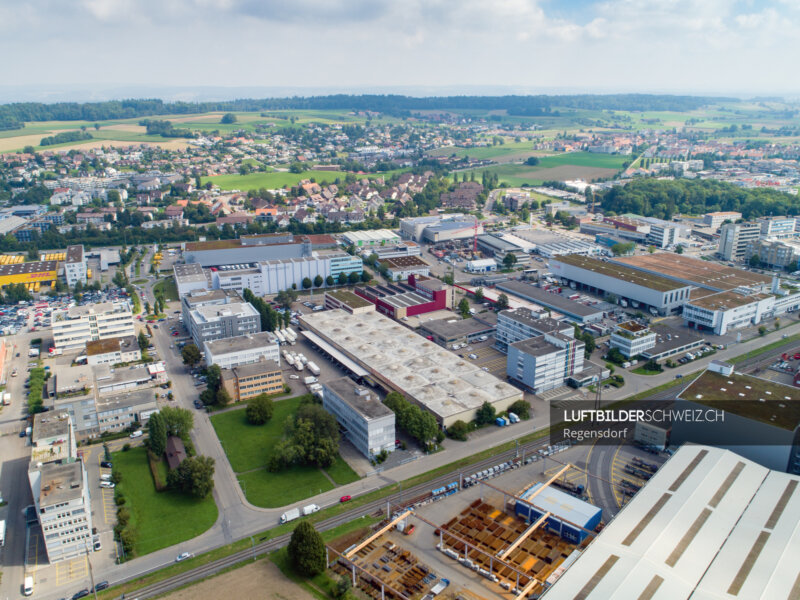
[
  {"x": 778, "y": 227},
  {"x": 250, "y": 380},
  {"x": 215, "y": 322},
  {"x": 189, "y": 277},
  {"x": 242, "y": 350},
  {"x": 113, "y": 351},
  {"x": 724, "y": 311},
  {"x": 73, "y": 327},
  {"x": 734, "y": 237},
  {"x": 545, "y": 362},
  {"x": 75, "y": 266},
  {"x": 401, "y": 268},
  {"x": 204, "y": 297},
  {"x": 365, "y": 421},
  {"x": 632, "y": 339},
  {"x": 121, "y": 410},
  {"x": 522, "y": 324},
  {"x": 774, "y": 253},
  {"x": 716, "y": 219},
  {"x": 709, "y": 524}
]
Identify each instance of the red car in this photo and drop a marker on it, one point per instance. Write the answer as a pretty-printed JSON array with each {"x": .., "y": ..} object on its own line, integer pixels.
[
  {"x": 796, "y": 356},
  {"x": 345, "y": 498},
  {"x": 174, "y": 333}
]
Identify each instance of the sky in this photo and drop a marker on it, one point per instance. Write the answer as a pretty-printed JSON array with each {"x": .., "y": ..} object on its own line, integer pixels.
[{"x": 93, "y": 48}]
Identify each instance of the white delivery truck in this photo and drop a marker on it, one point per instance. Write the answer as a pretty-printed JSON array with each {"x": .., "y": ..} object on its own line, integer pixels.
[
  {"x": 298, "y": 364},
  {"x": 290, "y": 515},
  {"x": 309, "y": 380},
  {"x": 313, "y": 368},
  {"x": 6, "y": 398},
  {"x": 311, "y": 508}
]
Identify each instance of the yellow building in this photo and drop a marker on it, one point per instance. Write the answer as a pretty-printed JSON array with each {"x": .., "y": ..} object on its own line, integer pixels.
[
  {"x": 248, "y": 381},
  {"x": 29, "y": 273}
]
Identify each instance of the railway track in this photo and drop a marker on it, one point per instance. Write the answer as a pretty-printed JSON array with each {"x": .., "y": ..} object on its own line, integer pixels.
[{"x": 162, "y": 587}]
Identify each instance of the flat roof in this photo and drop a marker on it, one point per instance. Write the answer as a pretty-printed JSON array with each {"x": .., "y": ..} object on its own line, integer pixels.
[
  {"x": 189, "y": 272},
  {"x": 126, "y": 343},
  {"x": 38, "y": 266},
  {"x": 359, "y": 398},
  {"x": 726, "y": 300},
  {"x": 561, "y": 504},
  {"x": 497, "y": 243},
  {"x": 60, "y": 482},
  {"x": 128, "y": 399},
  {"x": 54, "y": 423},
  {"x": 708, "y": 525},
  {"x": 444, "y": 383},
  {"x": 747, "y": 396},
  {"x": 449, "y": 328},
  {"x": 347, "y": 297},
  {"x": 338, "y": 356},
  {"x": 374, "y": 235},
  {"x": 202, "y": 296},
  {"x": 703, "y": 273},
  {"x": 74, "y": 254},
  {"x": 540, "y": 324},
  {"x": 631, "y": 326},
  {"x": 101, "y": 308},
  {"x": 549, "y": 299},
  {"x": 654, "y": 282},
  {"x": 214, "y": 312},
  {"x": 241, "y": 343},
  {"x": 212, "y": 245},
  {"x": 670, "y": 338},
  {"x": 261, "y": 367},
  {"x": 535, "y": 346},
  {"x": 402, "y": 262}
]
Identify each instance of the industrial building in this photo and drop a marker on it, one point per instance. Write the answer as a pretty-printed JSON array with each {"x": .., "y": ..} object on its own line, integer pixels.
[
  {"x": 29, "y": 274},
  {"x": 456, "y": 330},
  {"x": 273, "y": 276},
  {"x": 398, "y": 300},
  {"x": 494, "y": 245},
  {"x": 672, "y": 342},
  {"x": 481, "y": 265},
  {"x": 397, "y": 359},
  {"x": 75, "y": 266},
  {"x": 255, "y": 248},
  {"x": 73, "y": 327},
  {"x": 582, "y": 314},
  {"x": 404, "y": 267},
  {"x": 375, "y": 237},
  {"x": 632, "y": 338},
  {"x": 544, "y": 362},
  {"x": 59, "y": 485},
  {"x": 715, "y": 219},
  {"x": 724, "y": 311},
  {"x": 253, "y": 379},
  {"x": 347, "y": 301},
  {"x": 660, "y": 294},
  {"x": 566, "y": 515},
  {"x": 366, "y": 422},
  {"x": 522, "y": 324},
  {"x": 113, "y": 351},
  {"x": 406, "y": 248},
  {"x": 190, "y": 277},
  {"x": 761, "y": 417},
  {"x": 214, "y": 322},
  {"x": 734, "y": 237},
  {"x": 242, "y": 350},
  {"x": 709, "y": 524}
]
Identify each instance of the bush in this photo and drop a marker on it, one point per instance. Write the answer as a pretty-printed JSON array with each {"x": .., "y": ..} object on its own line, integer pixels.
[
  {"x": 153, "y": 462},
  {"x": 128, "y": 538},
  {"x": 119, "y": 498},
  {"x": 123, "y": 516},
  {"x": 521, "y": 408},
  {"x": 485, "y": 414},
  {"x": 116, "y": 476},
  {"x": 126, "y": 447},
  {"x": 458, "y": 431}
]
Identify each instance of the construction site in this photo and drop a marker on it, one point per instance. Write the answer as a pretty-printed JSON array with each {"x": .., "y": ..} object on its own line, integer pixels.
[{"x": 510, "y": 538}]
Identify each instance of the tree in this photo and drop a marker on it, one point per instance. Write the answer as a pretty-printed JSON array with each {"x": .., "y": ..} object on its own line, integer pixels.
[
  {"x": 142, "y": 340},
  {"x": 190, "y": 354},
  {"x": 623, "y": 248},
  {"x": 755, "y": 261},
  {"x": 777, "y": 324},
  {"x": 365, "y": 276},
  {"x": 178, "y": 421},
  {"x": 615, "y": 356},
  {"x": 679, "y": 250},
  {"x": 502, "y": 302},
  {"x": 195, "y": 476},
  {"x": 762, "y": 330},
  {"x": 532, "y": 161},
  {"x": 223, "y": 397},
  {"x": 342, "y": 279},
  {"x": 458, "y": 431},
  {"x": 306, "y": 283},
  {"x": 329, "y": 280},
  {"x": 306, "y": 550},
  {"x": 485, "y": 414},
  {"x": 228, "y": 119},
  {"x": 286, "y": 297},
  {"x": 353, "y": 278},
  {"x": 157, "y": 432},
  {"x": 509, "y": 260},
  {"x": 521, "y": 408},
  {"x": 259, "y": 410},
  {"x": 463, "y": 308},
  {"x": 479, "y": 295},
  {"x": 318, "y": 281}
]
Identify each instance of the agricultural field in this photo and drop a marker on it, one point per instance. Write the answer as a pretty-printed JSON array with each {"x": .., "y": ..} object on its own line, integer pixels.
[{"x": 561, "y": 167}]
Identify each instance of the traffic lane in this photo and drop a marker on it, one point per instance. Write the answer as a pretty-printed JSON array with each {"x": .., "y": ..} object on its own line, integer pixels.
[{"x": 16, "y": 492}]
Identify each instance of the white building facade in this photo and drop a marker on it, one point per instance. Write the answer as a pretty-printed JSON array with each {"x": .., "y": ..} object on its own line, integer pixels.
[
  {"x": 73, "y": 327},
  {"x": 242, "y": 350}
]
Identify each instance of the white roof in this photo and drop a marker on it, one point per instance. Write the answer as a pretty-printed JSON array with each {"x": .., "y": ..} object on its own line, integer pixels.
[
  {"x": 374, "y": 235},
  {"x": 709, "y": 525}
]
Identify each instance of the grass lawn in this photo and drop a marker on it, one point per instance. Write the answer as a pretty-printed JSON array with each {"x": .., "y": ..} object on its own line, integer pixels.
[
  {"x": 341, "y": 472},
  {"x": 270, "y": 180},
  {"x": 571, "y": 164},
  {"x": 271, "y": 490},
  {"x": 643, "y": 371},
  {"x": 168, "y": 288},
  {"x": 162, "y": 519}
]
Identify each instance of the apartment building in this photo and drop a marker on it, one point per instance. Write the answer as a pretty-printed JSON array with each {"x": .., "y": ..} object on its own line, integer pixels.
[
  {"x": 73, "y": 327},
  {"x": 734, "y": 238},
  {"x": 215, "y": 322},
  {"x": 366, "y": 421},
  {"x": 251, "y": 380},
  {"x": 775, "y": 253},
  {"x": 242, "y": 350}
]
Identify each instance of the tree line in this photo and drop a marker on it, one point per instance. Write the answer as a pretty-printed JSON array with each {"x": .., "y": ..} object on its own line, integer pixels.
[{"x": 65, "y": 136}]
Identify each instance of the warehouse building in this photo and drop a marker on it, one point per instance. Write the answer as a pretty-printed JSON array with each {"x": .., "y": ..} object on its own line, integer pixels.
[
  {"x": 255, "y": 248},
  {"x": 582, "y": 314},
  {"x": 709, "y": 524},
  {"x": 522, "y": 324},
  {"x": 190, "y": 277},
  {"x": 660, "y": 294},
  {"x": 73, "y": 327},
  {"x": 366, "y": 422},
  {"x": 375, "y": 237},
  {"x": 567, "y": 516},
  {"x": 545, "y": 362},
  {"x": 43, "y": 272},
  {"x": 397, "y": 359},
  {"x": 761, "y": 419},
  {"x": 250, "y": 380},
  {"x": 347, "y": 301},
  {"x": 447, "y": 332},
  {"x": 404, "y": 267},
  {"x": 242, "y": 350},
  {"x": 215, "y": 322},
  {"x": 481, "y": 265},
  {"x": 398, "y": 300},
  {"x": 494, "y": 245},
  {"x": 406, "y": 248},
  {"x": 75, "y": 266}
]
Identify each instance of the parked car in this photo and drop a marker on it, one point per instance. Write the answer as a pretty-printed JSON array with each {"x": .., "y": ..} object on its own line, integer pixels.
[
  {"x": 183, "y": 556},
  {"x": 109, "y": 485},
  {"x": 103, "y": 585},
  {"x": 198, "y": 404},
  {"x": 137, "y": 434},
  {"x": 82, "y": 594},
  {"x": 106, "y": 464}
]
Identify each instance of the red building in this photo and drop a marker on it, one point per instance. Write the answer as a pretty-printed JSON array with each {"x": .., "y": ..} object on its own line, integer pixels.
[{"x": 397, "y": 300}]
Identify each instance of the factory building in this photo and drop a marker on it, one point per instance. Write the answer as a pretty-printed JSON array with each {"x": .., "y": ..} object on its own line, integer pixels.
[
  {"x": 568, "y": 516},
  {"x": 545, "y": 362},
  {"x": 663, "y": 296},
  {"x": 761, "y": 419},
  {"x": 582, "y": 314},
  {"x": 522, "y": 324},
  {"x": 398, "y": 300},
  {"x": 73, "y": 327},
  {"x": 216, "y": 322},
  {"x": 75, "y": 266},
  {"x": 395, "y": 358},
  {"x": 367, "y": 423},
  {"x": 498, "y": 248},
  {"x": 190, "y": 277},
  {"x": 242, "y": 350},
  {"x": 375, "y": 237},
  {"x": 709, "y": 524},
  {"x": 404, "y": 267},
  {"x": 255, "y": 248}
]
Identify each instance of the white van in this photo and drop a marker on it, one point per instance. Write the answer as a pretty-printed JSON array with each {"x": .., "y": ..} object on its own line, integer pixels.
[
  {"x": 137, "y": 434},
  {"x": 27, "y": 586}
]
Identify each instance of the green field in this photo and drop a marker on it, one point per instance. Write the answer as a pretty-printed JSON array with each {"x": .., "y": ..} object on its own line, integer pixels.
[
  {"x": 271, "y": 180},
  {"x": 168, "y": 288},
  {"x": 561, "y": 167},
  {"x": 248, "y": 446},
  {"x": 162, "y": 519}
]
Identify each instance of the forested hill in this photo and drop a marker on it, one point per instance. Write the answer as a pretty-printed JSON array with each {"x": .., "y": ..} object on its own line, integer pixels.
[
  {"x": 664, "y": 198},
  {"x": 389, "y": 104}
]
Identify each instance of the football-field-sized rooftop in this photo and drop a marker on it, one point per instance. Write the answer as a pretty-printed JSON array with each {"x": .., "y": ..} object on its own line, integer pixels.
[{"x": 448, "y": 386}]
